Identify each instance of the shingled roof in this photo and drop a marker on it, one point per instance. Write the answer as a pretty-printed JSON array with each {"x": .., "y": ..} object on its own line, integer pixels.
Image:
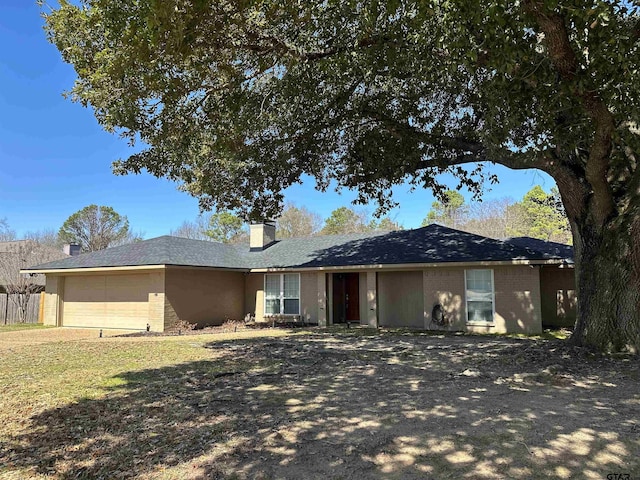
[
  {"x": 551, "y": 249},
  {"x": 165, "y": 250},
  {"x": 431, "y": 244}
]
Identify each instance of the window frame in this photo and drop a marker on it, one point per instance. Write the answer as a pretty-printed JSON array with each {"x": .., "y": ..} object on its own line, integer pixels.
[
  {"x": 281, "y": 296},
  {"x": 493, "y": 298}
]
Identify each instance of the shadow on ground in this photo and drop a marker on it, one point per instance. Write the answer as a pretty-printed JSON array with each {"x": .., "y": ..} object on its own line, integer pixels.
[{"x": 333, "y": 406}]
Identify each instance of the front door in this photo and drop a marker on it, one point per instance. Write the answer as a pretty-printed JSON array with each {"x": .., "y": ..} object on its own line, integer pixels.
[
  {"x": 352, "y": 297},
  {"x": 346, "y": 298}
]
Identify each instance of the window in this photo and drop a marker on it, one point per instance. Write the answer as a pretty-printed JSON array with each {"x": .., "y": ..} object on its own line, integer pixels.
[
  {"x": 272, "y": 294},
  {"x": 282, "y": 294},
  {"x": 479, "y": 295}
]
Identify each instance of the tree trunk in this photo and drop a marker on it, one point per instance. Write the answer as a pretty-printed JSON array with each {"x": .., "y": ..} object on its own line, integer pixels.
[
  {"x": 21, "y": 301},
  {"x": 608, "y": 284},
  {"x": 23, "y": 304}
]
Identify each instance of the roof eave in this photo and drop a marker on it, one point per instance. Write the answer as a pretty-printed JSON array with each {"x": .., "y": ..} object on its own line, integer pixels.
[
  {"x": 375, "y": 266},
  {"x": 128, "y": 268},
  {"x": 413, "y": 266},
  {"x": 94, "y": 269}
]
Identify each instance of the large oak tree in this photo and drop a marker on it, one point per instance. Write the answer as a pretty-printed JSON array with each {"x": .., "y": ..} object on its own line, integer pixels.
[{"x": 237, "y": 99}]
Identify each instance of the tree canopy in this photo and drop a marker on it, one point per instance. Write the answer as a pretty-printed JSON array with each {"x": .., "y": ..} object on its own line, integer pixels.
[
  {"x": 226, "y": 227},
  {"x": 238, "y": 100},
  {"x": 195, "y": 230},
  {"x": 386, "y": 224},
  {"x": 345, "y": 220},
  {"x": 297, "y": 222},
  {"x": 95, "y": 228},
  {"x": 492, "y": 218},
  {"x": 540, "y": 216},
  {"x": 537, "y": 214},
  {"x": 451, "y": 211}
]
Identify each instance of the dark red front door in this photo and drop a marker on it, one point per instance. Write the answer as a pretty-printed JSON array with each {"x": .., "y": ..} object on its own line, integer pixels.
[
  {"x": 352, "y": 297},
  {"x": 346, "y": 298}
]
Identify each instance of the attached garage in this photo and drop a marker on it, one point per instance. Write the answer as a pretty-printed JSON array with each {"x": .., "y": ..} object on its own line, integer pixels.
[
  {"x": 106, "y": 301},
  {"x": 158, "y": 296}
]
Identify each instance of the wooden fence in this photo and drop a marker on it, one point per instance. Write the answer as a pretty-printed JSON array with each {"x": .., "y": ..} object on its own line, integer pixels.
[{"x": 9, "y": 310}]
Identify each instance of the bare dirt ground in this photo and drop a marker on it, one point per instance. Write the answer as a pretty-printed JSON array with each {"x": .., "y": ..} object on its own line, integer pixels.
[
  {"x": 351, "y": 406},
  {"x": 433, "y": 407}
]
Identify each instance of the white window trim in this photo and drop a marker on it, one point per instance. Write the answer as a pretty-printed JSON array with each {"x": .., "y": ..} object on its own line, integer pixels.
[
  {"x": 493, "y": 300},
  {"x": 281, "y": 296}
]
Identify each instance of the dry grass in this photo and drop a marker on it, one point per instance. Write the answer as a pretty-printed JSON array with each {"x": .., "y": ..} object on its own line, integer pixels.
[
  {"x": 16, "y": 327},
  {"x": 342, "y": 404},
  {"x": 12, "y": 338}
]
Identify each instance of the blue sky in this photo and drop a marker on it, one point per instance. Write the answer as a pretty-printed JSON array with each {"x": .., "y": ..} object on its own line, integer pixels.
[{"x": 55, "y": 159}]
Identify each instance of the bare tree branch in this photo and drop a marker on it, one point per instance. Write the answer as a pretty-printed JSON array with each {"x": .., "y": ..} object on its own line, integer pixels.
[{"x": 15, "y": 256}]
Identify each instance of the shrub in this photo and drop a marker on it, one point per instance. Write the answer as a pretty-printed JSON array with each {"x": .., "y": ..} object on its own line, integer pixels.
[{"x": 182, "y": 326}]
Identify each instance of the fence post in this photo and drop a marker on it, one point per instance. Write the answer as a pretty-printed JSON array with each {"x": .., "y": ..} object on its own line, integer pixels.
[
  {"x": 41, "y": 309},
  {"x": 6, "y": 307}
]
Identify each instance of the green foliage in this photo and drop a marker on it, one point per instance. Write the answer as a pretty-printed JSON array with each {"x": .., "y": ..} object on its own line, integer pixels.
[
  {"x": 345, "y": 220},
  {"x": 95, "y": 228},
  {"x": 226, "y": 227},
  {"x": 451, "y": 211},
  {"x": 541, "y": 216},
  {"x": 239, "y": 99},
  {"x": 385, "y": 224},
  {"x": 537, "y": 214}
]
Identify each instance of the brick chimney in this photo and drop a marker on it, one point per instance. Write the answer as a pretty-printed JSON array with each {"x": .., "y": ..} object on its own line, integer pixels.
[
  {"x": 71, "y": 249},
  {"x": 262, "y": 235}
]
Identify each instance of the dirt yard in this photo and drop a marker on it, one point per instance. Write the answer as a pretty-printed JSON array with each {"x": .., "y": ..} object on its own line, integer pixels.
[{"x": 348, "y": 405}]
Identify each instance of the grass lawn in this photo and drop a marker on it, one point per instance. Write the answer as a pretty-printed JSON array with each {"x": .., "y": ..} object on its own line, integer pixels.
[
  {"x": 14, "y": 327},
  {"x": 317, "y": 404}
]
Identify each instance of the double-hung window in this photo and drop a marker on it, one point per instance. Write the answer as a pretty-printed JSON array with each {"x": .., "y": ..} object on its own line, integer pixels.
[
  {"x": 282, "y": 294},
  {"x": 480, "y": 296}
]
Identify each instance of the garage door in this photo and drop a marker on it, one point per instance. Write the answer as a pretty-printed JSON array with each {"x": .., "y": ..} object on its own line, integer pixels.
[{"x": 106, "y": 301}]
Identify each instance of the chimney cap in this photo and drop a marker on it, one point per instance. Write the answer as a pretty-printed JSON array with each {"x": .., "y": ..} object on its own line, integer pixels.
[{"x": 266, "y": 221}]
